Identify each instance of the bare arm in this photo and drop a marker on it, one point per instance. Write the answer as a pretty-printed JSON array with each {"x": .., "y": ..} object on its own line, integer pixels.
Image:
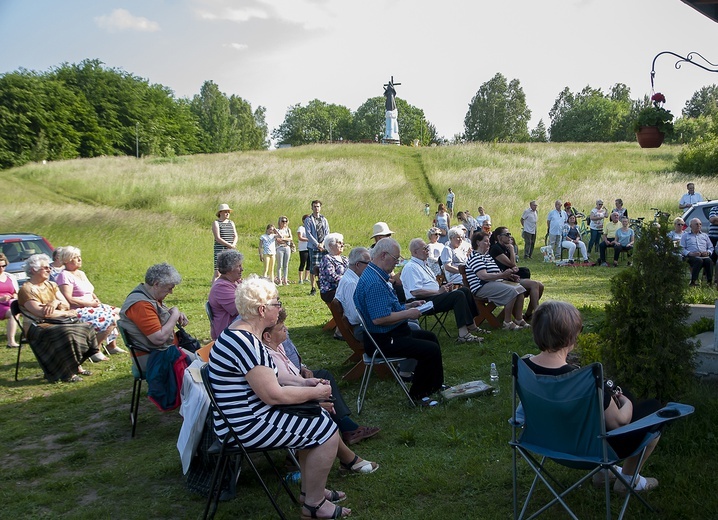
[
  {"x": 266, "y": 386},
  {"x": 617, "y": 417},
  {"x": 162, "y": 336},
  {"x": 219, "y": 239},
  {"x": 66, "y": 290}
]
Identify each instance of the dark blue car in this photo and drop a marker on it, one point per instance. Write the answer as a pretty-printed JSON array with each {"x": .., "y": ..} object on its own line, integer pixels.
[{"x": 18, "y": 247}]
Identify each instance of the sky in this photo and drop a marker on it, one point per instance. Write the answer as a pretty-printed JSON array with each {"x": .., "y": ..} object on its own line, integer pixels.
[{"x": 278, "y": 53}]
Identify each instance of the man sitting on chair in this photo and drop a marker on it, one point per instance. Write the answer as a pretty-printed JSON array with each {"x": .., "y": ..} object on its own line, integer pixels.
[
  {"x": 697, "y": 249},
  {"x": 386, "y": 320},
  {"x": 420, "y": 283}
]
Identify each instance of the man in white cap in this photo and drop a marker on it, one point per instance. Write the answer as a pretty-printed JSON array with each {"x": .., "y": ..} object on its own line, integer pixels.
[{"x": 380, "y": 230}]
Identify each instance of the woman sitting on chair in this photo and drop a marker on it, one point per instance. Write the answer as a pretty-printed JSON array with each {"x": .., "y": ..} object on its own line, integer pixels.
[
  {"x": 332, "y": 266},
  {"x": 244, "y": 379},
  {"x": 556, "y": 326},
  {"x": 8, "y": 293},
  {"x": 296, "y": 374},
  {"x": 60, "y": 348}
]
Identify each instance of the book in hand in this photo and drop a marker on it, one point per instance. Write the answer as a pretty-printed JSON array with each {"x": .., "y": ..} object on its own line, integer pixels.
[{"x": 426, "y": 307}]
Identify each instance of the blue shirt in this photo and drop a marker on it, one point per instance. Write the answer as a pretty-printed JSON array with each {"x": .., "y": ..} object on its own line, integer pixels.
[
  {"x": 374, "y": 298},
  {"x": 695, "y": 243}
]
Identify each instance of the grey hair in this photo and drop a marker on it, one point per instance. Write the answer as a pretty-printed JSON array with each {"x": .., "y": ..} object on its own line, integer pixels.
[
  {"x": 57, "y": 253},
  {"x": 385, "y": 245},
  {"x": 356, "y": 255},
  {"x": 162, "y": 274},
  {"x": 32, "y": 265},
  {"x": 228, "y": 259},
  {"x": 455, "y": 231},
  {"x": 252, "y": 293},
  {"x": 331, "y": 240},
  {"x": 414, "y": 245},
  {"x": 68, "y": 253}
]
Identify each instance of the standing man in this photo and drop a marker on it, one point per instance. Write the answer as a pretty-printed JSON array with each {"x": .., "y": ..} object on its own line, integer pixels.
[
  {"x": 690, "y": 198},
  {"x": 386, "y": 320},
  {"x": 554, "y": 224},
  {"x": 450, "y": 202},
  {"x": 697, "y": 249},
  {"x": 316, "y": 227},
  {"x": 529, "y": 220}
]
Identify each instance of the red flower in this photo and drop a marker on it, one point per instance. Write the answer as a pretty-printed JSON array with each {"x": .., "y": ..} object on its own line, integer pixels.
[{"x": 658, "y": 98}]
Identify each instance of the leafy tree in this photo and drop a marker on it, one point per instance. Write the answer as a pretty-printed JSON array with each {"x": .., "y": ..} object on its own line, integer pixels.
[
  {"x": 369, "y": 120},
  {"x": 217, "y": 130},
  {"x": 317, "y": 122},
  {"x": 538, "y": 134},
  {"x": 498, "y": 112},
  {"x": 590, "y": 115},
  {"x": 646, "y": 340},
  {"x": 703, "y": 102}
]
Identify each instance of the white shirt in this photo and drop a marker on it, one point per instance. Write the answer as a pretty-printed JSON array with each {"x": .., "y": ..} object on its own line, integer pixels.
[
  {"x": 529, "y": 219},
  {"x": 435, "y": 250},
  {"x": 416, "y": 276},
  {"x": 481, "y": 219},
  {"x": 688, "y": 199},
  {"x": 556, "y": 219},
  {"x": 345, "y": 294},
  {"x": 455, "y": 257}
]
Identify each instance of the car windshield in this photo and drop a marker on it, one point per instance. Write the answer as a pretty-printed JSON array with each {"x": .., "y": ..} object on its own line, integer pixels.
[{"x": 21, "y": 250}]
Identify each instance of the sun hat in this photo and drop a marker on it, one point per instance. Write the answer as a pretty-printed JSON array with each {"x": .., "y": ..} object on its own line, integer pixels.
[
  {"x": 381, "y": 228},
  {"x": 223, "y": 207}
]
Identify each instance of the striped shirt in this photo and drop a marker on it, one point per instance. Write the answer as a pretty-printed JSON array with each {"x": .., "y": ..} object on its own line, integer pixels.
[
  {"x": 478, "y": 262},
  {"x": 257, "y": 424},
  {"x": 713, "y": 229}
]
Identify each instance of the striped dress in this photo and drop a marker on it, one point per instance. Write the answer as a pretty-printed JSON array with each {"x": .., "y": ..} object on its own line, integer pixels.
[
  {"x": 225, "y": 233},
  {"x": 257, "y": 424}
]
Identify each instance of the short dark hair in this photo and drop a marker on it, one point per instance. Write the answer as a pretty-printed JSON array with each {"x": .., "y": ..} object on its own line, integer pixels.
[
  {"x": 477, "y": 237},
  {"x": 317, "y": 201},
  {"x": 556, "y": 325}
]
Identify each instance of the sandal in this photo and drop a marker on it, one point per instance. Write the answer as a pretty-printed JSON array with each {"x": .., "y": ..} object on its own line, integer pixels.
[
  {"x": 469, "y": 338},
  {"x": 338, "y": 511},
  {"x": 355, "y": 466},
  {"x": 329, "y": 494},
  {"x": 510, "y": 325},
  {"x": 85, "y": 373},
  {"x": 522, "y": 324}
]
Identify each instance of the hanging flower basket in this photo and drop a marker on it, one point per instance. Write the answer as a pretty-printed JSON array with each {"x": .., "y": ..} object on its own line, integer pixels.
[{"x": 650, "y": 137}]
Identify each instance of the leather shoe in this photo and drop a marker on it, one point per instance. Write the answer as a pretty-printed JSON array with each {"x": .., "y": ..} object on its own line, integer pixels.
[{"x": 358, "y": 435}]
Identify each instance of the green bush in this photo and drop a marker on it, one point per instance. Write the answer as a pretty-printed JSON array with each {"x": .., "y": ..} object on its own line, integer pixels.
[
  {"x": 699, "y": 157},
  {"x": 646, "y": 340}
]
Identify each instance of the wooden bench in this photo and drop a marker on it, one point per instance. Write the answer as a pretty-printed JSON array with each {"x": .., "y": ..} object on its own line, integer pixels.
[{"x": 484, "y": 307}]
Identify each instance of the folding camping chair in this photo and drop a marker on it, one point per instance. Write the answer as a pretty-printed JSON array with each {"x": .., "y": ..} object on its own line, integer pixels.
[
  {"x": 231, "y": 447},
  {"x": 562, "y": 420},
  {"x": 15, "y": 311},
  {"x": 378, "y": 358},
  {"x": 138, "y": 375}
]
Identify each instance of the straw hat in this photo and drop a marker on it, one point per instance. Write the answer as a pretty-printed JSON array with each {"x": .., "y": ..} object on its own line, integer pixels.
[
  {"x": 223, "y": 207},
  {"x": 381, "y": 228}
]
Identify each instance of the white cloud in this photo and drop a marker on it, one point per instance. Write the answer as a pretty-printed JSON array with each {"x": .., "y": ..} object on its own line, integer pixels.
[
  {"x": 236, "y": 46},
  {"x": 123, "y": 20},
  {"x": 233, "y": 15},
  {"x": 308, "y": 14}
]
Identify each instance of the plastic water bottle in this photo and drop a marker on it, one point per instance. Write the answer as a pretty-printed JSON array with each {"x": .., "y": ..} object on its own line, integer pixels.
[
  {"x": 293, "y": 477},
  {"x": 494, "y": 377}
]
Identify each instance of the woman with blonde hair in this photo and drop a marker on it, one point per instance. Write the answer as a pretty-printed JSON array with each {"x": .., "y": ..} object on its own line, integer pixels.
[
  {"x": 243, "y": 377},
  {"x": 443, "y": 222},
  {"x": 284, "y": 250},
  {"x": 268, "y": 249}
]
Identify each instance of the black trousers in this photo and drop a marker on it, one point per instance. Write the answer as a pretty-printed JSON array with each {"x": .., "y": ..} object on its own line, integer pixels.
[
  {"x": 340, "y": 406},
  {"x": 461, "y": 301},
  {"x": 421, "y": 345},
  {"x": 700, "y": 262}
]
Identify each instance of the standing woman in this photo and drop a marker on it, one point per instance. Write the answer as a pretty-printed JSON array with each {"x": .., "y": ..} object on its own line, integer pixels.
[
  {"x": 443, "y": 222},
  {"x": 284, "y": 250},
  {"x": 303, "y": 252},
  {"x": 225, "y": 234},
  {"x": 8, "y": 293},
  {"x": 268, "y": 249}
]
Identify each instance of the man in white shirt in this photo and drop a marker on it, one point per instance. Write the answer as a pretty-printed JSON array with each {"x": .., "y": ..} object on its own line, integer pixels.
[
  {"x": 420, "y": 283},
  {"x": 359, "y": 258},
  {"x": 554, "y": 224},
  {"x": 450, "y": 202},
  {"x": 529, "y": 219},
  {"x": 690, "y": 198}
]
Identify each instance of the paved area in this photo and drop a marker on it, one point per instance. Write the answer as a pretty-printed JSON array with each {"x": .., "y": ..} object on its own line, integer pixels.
[{"x": 706, "y": 354}]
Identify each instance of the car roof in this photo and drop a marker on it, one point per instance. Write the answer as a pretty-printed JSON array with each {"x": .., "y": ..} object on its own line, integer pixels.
[{"x": 18, "y": 236}]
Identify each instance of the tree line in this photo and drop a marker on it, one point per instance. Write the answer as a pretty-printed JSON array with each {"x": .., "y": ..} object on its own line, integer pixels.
[{"x": 89, "y": 110}]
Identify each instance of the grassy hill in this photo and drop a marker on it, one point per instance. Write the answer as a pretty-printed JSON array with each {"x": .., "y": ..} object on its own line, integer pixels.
[{"x": 66, "y": 450}]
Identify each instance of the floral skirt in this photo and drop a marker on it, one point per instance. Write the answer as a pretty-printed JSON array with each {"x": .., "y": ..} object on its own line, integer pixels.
[{"x": 101, "y": 318}]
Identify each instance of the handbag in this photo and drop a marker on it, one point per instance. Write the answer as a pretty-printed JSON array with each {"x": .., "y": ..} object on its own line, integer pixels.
[
  {"x": 308, "y": 410},
  {"x": 60, "y": 321},
  {"x": 292, "y": 247},
  {"x": 186, "y": 341}
]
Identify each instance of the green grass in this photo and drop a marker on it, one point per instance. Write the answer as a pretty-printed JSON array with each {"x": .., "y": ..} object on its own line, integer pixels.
[{"x": 66, "y": 449}]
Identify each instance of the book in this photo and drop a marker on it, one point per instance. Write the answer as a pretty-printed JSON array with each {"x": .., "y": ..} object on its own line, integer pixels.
[{"x": 467, "y": 390}]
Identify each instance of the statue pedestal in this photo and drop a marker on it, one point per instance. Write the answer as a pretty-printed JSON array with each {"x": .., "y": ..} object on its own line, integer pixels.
[{"x": 390, "y": 141}]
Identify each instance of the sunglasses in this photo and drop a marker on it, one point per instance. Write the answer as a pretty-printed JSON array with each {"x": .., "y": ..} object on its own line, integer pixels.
[{"x": 284, "y": 220}]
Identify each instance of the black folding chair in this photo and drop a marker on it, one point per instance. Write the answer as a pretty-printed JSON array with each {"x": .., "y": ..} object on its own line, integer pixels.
[
  {"x": 231, "y": 447},
  {"x": 138, "y": 377},
  {"x": 15, "y": 310}
]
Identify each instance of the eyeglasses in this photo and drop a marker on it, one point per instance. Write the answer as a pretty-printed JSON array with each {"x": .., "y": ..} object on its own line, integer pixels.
[
  {"x": 340, "y": 243},
  {"x": 46, "y": 267},
  {"x": 426, "y": 248},
  {"x": 278, "y": 304},
  {"x": 398, "y": 260},
  {"x": 362, "y": 262},
  {"x": 505, "y": 235},
  {"x": 3, "y": 266},
  {"x": 284, "y": 220}
]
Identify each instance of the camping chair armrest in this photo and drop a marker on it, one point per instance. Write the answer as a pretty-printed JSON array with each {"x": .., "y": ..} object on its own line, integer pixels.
[{"x": 670, "y": 412}]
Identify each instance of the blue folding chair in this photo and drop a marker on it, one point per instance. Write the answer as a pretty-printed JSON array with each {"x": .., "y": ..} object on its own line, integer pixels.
[{"x": 561, "y": 420}]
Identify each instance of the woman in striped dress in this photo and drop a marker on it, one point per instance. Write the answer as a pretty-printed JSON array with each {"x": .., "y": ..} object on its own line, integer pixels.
[
  {"x": 225, "y": 234},
  {"x": 244, "y": 379}
]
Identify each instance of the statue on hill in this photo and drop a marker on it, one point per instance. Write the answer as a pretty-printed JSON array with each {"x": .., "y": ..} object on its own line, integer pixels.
[{"x": 391, "y": 133}]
